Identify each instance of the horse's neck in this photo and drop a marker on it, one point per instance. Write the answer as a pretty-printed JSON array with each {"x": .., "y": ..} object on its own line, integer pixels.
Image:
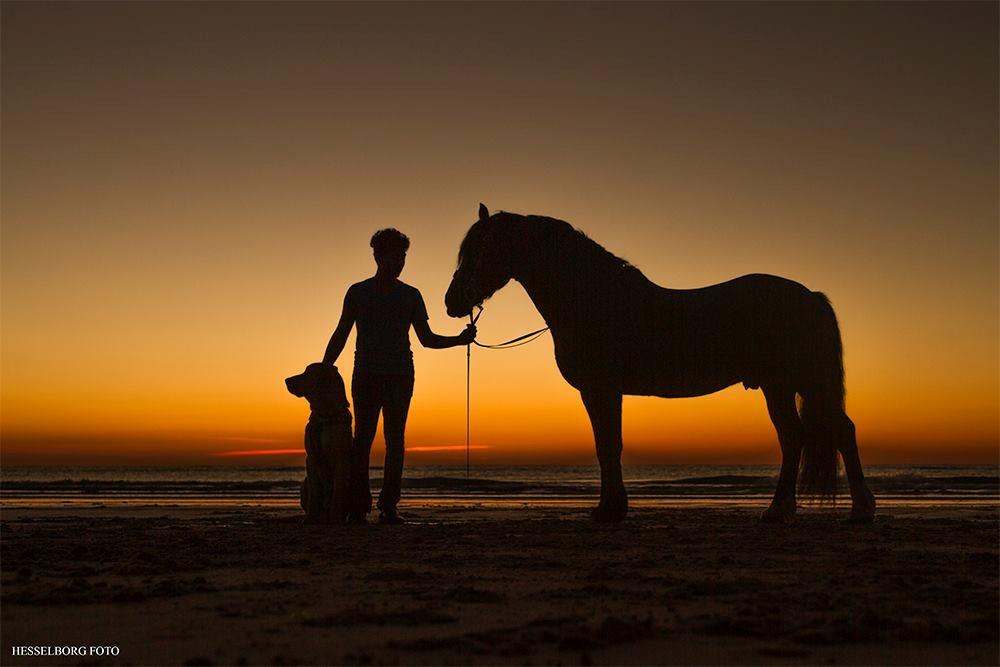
[
  {"x": 562, "y": 287},
  {"x": 542, "y": 292}
]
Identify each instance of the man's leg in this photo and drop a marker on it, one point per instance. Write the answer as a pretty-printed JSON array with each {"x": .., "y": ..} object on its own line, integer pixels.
[
  {"x": 367, "y": 398},
  {"x": 399, "y": 390}
]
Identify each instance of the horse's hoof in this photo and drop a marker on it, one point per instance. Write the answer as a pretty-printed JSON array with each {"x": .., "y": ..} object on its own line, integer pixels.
[
  {"x": 781, "y": 511},
  {"x": 609, "y": 513},
  {"x": 862, "y": 515},
  {"x": 772, "y": 516},
  {"x": 863, "y": 509}
]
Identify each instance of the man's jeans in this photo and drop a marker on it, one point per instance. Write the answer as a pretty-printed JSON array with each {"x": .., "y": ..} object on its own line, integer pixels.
[{"x": 373, "y": 393}]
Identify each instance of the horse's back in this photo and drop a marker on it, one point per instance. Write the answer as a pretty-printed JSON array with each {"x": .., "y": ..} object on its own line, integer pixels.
[{"x": 751, "y": 286}]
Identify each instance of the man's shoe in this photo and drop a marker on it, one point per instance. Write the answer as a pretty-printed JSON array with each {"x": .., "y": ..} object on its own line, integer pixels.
[{"x": 391, "y": 517}]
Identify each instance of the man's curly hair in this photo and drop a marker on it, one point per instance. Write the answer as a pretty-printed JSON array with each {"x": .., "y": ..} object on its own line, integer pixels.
[{"x": 388, "y": 240}]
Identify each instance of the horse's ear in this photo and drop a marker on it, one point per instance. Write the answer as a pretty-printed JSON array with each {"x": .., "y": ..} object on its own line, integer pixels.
[{"x": 484, "y": 213}]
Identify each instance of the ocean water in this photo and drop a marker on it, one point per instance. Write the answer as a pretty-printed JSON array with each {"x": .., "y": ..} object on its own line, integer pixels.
[{"x": 502, "y": 485}]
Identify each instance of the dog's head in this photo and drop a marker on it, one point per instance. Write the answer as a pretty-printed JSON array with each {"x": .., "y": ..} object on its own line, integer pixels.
[{"x": 322, "y": 386}]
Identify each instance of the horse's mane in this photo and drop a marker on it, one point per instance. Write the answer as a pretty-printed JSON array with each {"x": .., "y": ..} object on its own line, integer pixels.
[
  {"x": 555, "y": 233},
  {"x": 593, "y": 253}
]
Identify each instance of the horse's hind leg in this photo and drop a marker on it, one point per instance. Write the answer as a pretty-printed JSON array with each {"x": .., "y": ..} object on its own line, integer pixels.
[
  {"x": 784, "y": 416},
  {"x": 605, "y": 411},
  {"x": 862, "y": 499}
]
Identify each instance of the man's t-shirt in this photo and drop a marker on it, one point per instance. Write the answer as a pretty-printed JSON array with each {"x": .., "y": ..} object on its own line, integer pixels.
[{"x": 383, "y": 317}]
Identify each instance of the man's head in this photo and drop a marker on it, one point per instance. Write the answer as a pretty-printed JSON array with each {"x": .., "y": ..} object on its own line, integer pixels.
[{"x": 389, "y": 247}]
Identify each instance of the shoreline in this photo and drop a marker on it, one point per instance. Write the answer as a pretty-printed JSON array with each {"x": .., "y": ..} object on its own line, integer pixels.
[{"x": 481, "y": 501}]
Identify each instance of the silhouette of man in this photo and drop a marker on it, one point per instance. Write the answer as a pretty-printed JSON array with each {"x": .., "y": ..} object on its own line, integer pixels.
[{"x": 383, "y": 307}]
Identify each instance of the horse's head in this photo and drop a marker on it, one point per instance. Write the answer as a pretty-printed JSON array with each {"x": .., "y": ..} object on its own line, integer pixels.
[{"x": 483, "y": 264}]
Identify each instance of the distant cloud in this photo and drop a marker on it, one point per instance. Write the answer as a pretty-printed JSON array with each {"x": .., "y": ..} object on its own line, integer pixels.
[
  {"x": 261, "y": 452},
  {"x": 291, "y": 452},
  {"x": 445, "y": 448},
  {"x": 237, "y": 438}
]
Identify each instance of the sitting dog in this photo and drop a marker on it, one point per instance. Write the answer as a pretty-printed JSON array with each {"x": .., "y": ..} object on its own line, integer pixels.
[{"x": 325, "y": 490}]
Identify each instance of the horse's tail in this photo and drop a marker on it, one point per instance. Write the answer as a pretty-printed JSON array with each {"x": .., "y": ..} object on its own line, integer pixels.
[{"x": 822, "y": 405}]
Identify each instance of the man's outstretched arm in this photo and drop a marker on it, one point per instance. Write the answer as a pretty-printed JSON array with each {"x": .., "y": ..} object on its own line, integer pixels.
[{"x": 434, "y": 341}]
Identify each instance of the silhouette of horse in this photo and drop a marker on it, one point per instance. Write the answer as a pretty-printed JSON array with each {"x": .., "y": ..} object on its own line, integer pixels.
[{"x": 615, "y": 332}]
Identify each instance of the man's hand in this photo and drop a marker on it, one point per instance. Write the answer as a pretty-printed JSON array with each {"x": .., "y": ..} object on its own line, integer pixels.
[{"x": 467, "y": 336}]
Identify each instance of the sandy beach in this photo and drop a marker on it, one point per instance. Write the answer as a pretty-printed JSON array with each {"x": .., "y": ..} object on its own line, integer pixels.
[{"x": 497, "y": 585}]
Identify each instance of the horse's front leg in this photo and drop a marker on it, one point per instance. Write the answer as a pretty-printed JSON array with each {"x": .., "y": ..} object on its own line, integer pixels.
[{"x": 605, "y": 411}]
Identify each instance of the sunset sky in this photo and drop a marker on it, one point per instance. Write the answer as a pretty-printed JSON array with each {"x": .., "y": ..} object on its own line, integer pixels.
[{"x": 188, "y": 190}]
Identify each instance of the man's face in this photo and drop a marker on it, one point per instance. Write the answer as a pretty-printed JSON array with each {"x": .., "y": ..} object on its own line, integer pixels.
[{"x": 391, "y": 262}]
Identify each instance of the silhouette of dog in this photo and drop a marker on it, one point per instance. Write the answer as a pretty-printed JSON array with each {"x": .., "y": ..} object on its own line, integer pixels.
[{"x": 325, "y": 490}]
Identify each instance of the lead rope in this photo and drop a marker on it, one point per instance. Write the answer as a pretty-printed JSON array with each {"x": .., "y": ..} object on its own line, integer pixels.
[
  {"x": 468, "y": 394},
  {"x": 506, "y": 345}
]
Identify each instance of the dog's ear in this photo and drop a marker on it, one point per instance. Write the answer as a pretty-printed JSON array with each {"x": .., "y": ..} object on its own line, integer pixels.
[{"x": 484, "y": 213}]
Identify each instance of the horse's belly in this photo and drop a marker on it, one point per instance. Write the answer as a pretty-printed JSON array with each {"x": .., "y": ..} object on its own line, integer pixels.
[
  {"x": 678, "y": 370},
  {"x": 650, "y": 375},
  {"x": 685, "y": 364},
  {"x": 679, "y": 389}
]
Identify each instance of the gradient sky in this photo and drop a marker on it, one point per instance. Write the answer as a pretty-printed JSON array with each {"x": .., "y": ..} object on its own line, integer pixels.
[{"x": 188, "y": 189}]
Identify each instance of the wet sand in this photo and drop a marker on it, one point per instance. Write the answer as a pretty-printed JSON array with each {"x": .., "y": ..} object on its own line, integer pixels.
[{"x": 499, "y": 585}]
